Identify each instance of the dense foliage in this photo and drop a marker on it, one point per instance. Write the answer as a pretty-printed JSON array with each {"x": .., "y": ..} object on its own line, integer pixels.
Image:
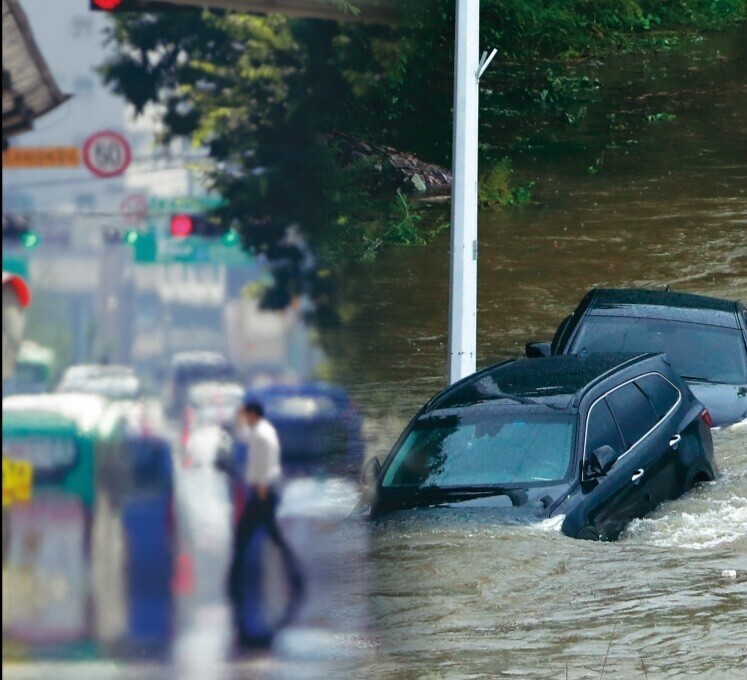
[{"x": 260, "y": 91}]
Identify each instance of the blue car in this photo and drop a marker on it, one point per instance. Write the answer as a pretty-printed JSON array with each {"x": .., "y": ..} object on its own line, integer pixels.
[{"x": 315, "y": 421}]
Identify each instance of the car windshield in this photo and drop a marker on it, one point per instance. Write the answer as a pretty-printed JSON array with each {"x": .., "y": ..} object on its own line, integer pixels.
[
  {"x": 481, "y": 448},
  {"x": 696, "y": 351},
  {"x": 202, "y": 372}
]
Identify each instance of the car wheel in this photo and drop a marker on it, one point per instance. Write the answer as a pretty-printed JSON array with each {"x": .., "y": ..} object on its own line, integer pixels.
[{"x": 589, "y": 533}]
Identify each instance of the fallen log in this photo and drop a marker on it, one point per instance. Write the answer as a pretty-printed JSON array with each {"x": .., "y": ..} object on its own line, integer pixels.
[{"x": 397, "y": 170}]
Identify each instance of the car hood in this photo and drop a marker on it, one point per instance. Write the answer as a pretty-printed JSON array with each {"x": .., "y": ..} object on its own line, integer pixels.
[{"x": 727, "y": 404}]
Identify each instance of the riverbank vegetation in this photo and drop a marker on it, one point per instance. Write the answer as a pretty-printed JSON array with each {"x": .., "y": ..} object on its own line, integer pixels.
[{"x": 266, "y": 94}]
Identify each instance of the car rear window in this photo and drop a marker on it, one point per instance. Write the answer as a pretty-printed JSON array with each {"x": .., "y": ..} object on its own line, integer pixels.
[
  {"x": 660, "y": 392},
  {"x": 697, "y": 351},
  {"x": 633, "y": 412},
  {"x": 196, "y": 373},
  {"x": 301, "y": 407}
]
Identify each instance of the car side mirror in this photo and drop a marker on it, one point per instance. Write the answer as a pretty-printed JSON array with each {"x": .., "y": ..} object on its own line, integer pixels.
[
  {"x": 600, "y": 462},
  {"x": 536, "y": 350},
  {"x": 370, "y": 472}
]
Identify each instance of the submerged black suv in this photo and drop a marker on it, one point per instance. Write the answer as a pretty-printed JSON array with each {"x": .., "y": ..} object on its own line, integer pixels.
[
  {"x": 598, "y": 439},
  {"x": 705, "y": 338}
]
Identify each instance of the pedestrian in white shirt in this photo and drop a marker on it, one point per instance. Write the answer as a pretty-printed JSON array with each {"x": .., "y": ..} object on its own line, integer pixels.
[{"x": 262, "y": 475}]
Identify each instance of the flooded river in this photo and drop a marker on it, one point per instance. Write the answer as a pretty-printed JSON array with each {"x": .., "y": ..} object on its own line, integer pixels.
[{"x": 466, "y": 598}]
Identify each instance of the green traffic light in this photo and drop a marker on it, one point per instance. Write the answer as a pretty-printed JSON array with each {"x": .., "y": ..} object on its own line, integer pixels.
[
  {"x": 30, "y": 240},
  {"x": 230, "y": 238},
  {"x": 131, "y": 237}
]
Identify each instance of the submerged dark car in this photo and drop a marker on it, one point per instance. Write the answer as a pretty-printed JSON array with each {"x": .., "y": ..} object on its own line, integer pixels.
[
  {"x": 597, "y": 439},
  {"x": 705, "y": 339}
]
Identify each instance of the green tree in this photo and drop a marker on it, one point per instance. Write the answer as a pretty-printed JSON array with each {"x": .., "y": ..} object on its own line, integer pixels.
[{"x": 263, "y": 92}]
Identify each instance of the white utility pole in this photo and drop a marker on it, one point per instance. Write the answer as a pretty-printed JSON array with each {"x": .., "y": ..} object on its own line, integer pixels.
[{"x": 463, "y": 281}]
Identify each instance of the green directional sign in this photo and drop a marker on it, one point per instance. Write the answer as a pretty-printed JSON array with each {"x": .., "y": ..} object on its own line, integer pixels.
[
  {"x": 150, "y": 248},
  {"x": 183, "y": 204},
  {"x": 15, "y": 264}
]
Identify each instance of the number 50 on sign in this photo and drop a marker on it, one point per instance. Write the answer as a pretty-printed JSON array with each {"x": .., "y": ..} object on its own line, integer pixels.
[{"x": 107, "y": 154}]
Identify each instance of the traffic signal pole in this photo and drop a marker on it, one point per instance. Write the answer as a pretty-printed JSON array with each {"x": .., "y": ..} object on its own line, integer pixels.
[{"x": 463, "y": 276}]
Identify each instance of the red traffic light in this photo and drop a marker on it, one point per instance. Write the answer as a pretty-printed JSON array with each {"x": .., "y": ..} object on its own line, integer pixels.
[
  {"x": 106, "y": 5},
  {"x": 181, "y": 225}
]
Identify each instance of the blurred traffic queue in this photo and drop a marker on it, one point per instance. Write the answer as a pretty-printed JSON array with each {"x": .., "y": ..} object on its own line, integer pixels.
[{"x": 88, "y": 559}]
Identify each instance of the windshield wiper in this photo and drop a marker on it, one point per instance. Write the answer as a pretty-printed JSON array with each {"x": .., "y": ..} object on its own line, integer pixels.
[
  {"x": 518, "y": 496},
  {"x": 697, "y": 379}
]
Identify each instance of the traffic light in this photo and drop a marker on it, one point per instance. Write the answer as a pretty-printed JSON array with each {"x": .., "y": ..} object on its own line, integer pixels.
[
  {"x": 183, "y": 225},
  {"x": 131, "y": 236},
  {"x": 136, "y": 6},
  {"x": 16, "y": 231},
  {"x": 230, "y": 238}
]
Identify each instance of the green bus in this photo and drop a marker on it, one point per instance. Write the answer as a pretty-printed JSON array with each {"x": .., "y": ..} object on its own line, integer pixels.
[{"x": 73, "y": 559}]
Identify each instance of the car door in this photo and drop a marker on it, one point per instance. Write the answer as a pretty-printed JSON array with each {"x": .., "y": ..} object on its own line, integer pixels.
[
  {"x": 624, "y": 492},
  {"x": 664, "y": 473}
]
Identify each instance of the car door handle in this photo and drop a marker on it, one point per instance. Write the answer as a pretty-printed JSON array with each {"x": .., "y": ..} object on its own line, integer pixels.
[
  {"x": 638, "y": 474},
  {"x": 674, "y": 442}
]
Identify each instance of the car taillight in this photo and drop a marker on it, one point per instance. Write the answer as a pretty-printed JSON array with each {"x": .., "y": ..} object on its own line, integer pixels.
[
  {"x": 706, "y": 416},
  {"x": 186, "y": 425}
]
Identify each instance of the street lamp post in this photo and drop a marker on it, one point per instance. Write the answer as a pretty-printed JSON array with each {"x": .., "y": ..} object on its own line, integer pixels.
[
  {"x": 463, "y": 280},
  {"x": 463, "y": 277}
]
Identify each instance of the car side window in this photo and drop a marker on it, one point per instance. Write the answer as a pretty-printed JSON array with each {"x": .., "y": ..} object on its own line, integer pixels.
[
  {"x": 660, "y": 392},
  {"x": 633, "y": 412},
  {"x": 603, "y": 429}
]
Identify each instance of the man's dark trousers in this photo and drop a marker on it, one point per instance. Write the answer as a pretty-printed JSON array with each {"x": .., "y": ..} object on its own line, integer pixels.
[{"x": 259, "y": 512}]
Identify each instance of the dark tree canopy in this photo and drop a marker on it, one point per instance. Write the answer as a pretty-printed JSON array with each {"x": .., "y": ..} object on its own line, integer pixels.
[{"x": 274, "y": 99}]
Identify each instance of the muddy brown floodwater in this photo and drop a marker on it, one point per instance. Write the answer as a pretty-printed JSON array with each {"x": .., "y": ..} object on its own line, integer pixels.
[{"x": 472, "y": 599}]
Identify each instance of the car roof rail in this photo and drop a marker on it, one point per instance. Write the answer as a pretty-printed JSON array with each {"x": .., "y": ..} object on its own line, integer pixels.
[{"x": 611, "y": 371}]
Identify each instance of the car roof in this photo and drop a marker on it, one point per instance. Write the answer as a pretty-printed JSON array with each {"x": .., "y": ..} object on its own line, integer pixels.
[
  {"x": 86, "y": 371},
  {"x": 45, "y": 411},
  {"x": 301, "y": 389},
  {"x": 662, "y": 304},
  {"x": 199, "y": 357},
  {"x": 210, "y": 391},
  {"x": 548, "y": 381}
]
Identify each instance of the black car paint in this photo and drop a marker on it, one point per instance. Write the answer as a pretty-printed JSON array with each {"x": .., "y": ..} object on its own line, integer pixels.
[
  {"x": 727, "y": 404},
  {"x": 598, "y": 508}
]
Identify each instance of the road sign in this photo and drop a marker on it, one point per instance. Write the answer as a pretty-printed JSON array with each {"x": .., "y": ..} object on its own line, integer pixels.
[
  {"x": 134, "y": 208},
  {"x": 187, "y": 250},
  {"x": 42, "y": 157},
  {"x": 106, "y": 154},
  {"x": 167, "y": 205}
]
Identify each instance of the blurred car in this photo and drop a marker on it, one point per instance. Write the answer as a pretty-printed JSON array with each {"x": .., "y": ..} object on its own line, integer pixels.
[
  {"x": 705, "y": 339},
  {"x": 210, "y": 403},
  {"x": 313, "y": 420},
  {"x": 593, "y": 440},
  {"x": 35, "y": 370},
  {"x": 189, "y": 368},
  {"x": 110, "y": 381},
  {"x": 261, "y": 375}
]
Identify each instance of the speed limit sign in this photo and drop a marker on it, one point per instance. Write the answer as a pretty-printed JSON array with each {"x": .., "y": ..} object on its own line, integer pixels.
[{"x": 106, "y": 154}]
